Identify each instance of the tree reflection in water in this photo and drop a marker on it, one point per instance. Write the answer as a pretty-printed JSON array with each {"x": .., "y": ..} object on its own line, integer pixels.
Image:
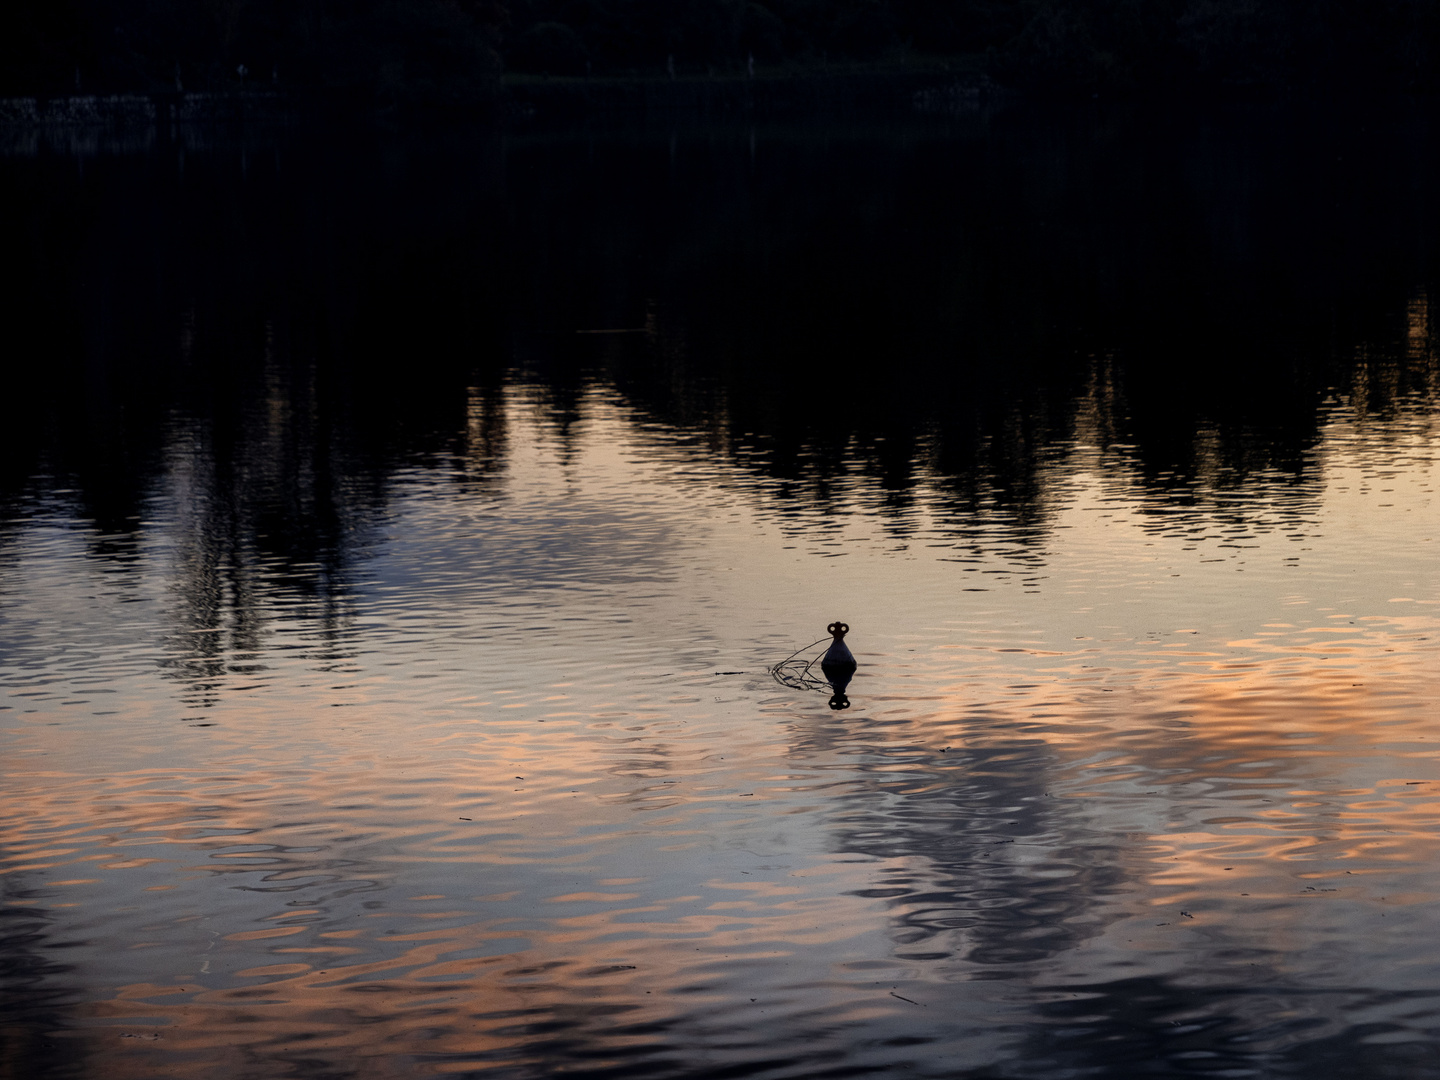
[
  {"x": 36, "y": 1036},
  {"x": 278, "y": 339}
]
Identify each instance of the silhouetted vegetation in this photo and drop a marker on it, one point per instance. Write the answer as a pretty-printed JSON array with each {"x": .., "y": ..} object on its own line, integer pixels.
[
  {"x": 451, "y": 51},
  {"x": 386, "y": 52},
  {"x": 1057, "y": 44}
]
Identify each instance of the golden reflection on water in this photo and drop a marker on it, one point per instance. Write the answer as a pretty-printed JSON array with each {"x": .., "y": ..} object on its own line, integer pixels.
[{"x": 493, "y": 806}]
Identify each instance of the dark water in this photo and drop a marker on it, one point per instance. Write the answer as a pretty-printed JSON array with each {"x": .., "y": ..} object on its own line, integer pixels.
[{"x": 397, "y": 533}]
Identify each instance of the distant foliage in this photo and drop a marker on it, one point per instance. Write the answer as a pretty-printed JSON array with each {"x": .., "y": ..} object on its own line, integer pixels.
[
  {"x": 1065, "y": 45},
  {"x": 552, "y": 48},
  {"x": 423, "y": 52},
  {"x": 401, "y": 53},
  {"x": 381, "y": 52}
]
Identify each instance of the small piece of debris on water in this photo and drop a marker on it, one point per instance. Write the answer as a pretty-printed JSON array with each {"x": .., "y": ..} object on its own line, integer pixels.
[{"x": 902, "y": 997}]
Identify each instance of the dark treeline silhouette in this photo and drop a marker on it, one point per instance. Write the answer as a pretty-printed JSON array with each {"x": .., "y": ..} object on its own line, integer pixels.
[
  {"x": 374, "y": 52},
  {"x": 1070, "y": 44},
  {"x": 428, "y": 52}
]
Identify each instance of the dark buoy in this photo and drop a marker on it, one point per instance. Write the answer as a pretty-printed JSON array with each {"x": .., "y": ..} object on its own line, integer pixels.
[
  {"x": 838, "y": 665},
  {"x": 838, "y": 655}
]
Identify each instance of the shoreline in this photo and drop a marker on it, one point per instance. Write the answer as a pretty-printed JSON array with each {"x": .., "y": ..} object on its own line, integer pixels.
[
  {"x": 152, "y": 109},
  {"x": 812, "y": 92},
  {"x": 523, "y": 98}
]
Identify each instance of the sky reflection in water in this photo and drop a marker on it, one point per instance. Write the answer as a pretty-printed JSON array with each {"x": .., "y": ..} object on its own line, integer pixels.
[{"x": 472, "y": 763}]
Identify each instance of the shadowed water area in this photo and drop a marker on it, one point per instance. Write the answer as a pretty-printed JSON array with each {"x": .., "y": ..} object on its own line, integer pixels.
[{"x": 397, "y": 534}]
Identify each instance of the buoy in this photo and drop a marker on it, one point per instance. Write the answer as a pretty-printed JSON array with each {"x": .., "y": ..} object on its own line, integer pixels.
[
  {"x": 838, "y": 665},
  {"x": 838, "y": 655}
]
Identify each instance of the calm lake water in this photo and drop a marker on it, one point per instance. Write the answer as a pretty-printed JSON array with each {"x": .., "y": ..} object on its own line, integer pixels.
[{"x": 397, "y": 534}]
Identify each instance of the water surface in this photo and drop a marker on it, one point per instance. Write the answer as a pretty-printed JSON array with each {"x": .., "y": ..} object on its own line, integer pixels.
[{"x": 398, "y": 535}]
